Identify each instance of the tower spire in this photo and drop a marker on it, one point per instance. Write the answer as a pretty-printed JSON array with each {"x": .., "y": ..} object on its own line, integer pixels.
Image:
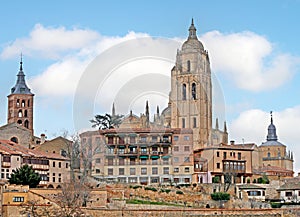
[
  {"x": 271, "y": 130},
  {"x": 217, "y": 123},
  {"x": 21, "y": 63},
  {"x": 113, "y": 110},
  {"x": 225, "y": 127},
  {"x": 192, "y": 31}
]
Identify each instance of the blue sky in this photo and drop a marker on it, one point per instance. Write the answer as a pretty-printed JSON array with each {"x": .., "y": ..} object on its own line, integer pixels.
[{"x": 59, "y": 38}]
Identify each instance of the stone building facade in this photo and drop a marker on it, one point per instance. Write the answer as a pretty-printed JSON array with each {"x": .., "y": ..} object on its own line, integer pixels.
[{"x": 141, "y": 155}]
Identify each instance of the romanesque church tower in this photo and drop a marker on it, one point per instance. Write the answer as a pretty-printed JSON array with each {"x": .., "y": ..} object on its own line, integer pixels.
[
  {"x": 20, "y": 103},
  {"x": 191, "y": 90}
]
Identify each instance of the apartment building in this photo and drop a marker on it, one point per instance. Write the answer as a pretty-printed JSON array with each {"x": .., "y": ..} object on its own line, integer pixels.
[
  {"x": 142, "y": 155},
  {"x": 52, "y": 168}
]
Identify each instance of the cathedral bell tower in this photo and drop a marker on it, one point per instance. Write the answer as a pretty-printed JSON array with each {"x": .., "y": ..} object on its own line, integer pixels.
[
  {"x": 191, "y": 92},
  {"x": 20, "y": 103}
]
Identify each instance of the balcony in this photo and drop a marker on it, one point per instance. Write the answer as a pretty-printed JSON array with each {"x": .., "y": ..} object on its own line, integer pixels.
[
  {"x": 40, "y": 167},
  {"x": 5, "y": 164}
]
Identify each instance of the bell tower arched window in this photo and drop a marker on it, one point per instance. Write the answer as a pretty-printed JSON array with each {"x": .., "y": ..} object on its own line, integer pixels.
[
  {"x": 184, "y": 92},
  {"x": 194, "y": 91},
  {"x": 188, "y": 65},
  {"x": 23, "y": 103},
  {"x": 25, "y": 114},
  {"x": 20, "y": 114},
  {"x": 26, "y": 124}
]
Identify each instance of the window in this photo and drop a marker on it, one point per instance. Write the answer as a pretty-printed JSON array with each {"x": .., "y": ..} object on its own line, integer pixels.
[
  {"x": 194, "y": 122},
  {"x": 165, "y": 161},
  {"x": 25, "y": 114},
  {"x": 121, "y": 171},
  {"x": 239, "y": 156},
  {"x": 176, "y": 138},
  {"x": 67, "y": 165},
  {"x": 186, "y": 169},
  {"x": 143, "y": 139},
  {"x": 154, "y": 161},
  {"x": 98, "y": 160},
  {"x": 224, "y": 155},
  {"x": 186, "y": 138},
  {"x": 288, "y": 194},
  {"x": 176, "y": 159},
  {"x": 18, "y": 199},
  {"x": 143, "y": 171},
  {"x": 97, "y": 170},
  {"x": 186, "y": 148},
  {"x": 186, "y": 159},
  {"x": 269, "y": 154},
  {"x": 218, "y": 154},
  {"x": 154, "y": 170},
  {"x": 110, "y": 171},
  {"x": 59, "y": 164},
  {"x": 53, "y": 163},
  {"x": 166, "y": 170},
  {"x": 188, "y": 66},
  {"x": 53, "y": 179},
  {"x": 28, "y": 103},
  {"x": 154, "y": 138},
  {"x": 110, "y": 140},
  {"x": 132, "y": 171},
  {"x": 132, "y": 161},
  {"x": 132, "y": 139},
  {"x": 20, "y": 114},
  {"x": 121, "y": 161},
  {"x": 176, "y": 148},
  {"x": 176, "y": 170},
  {"x": 23, "y": 103},
  {"x": 184, "y": 92},
  {"x": 193, "y": 91},
  {"x": 183, "y": 123},
  {"x": 143, "y": 161},
  {"x": 218, "y": 165},
  {"x": 110, "y": 161}
]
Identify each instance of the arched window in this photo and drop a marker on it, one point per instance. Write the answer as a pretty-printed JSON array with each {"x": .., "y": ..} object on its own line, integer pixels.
[
  {"x": 25, "y": 113},
  {"x": 184, "y": 92},
  {"x": 26, "y": 124},
  {"x": 269, "y": 154},
  {"x": 188, "y": 66},
  {"x": 14, "y": 139},
  {"x": 20, "y": 114},
  {"x": 18, "y": 103},
  {"x": 194, "y": 122},
  {"x": 19, "y": 122},
  {"x": 193, "y": 91},
  {"x": 23, "y": 103}
]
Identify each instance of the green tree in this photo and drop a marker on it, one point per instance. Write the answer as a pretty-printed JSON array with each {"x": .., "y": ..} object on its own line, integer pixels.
[
  {"x": 106, "y": 121},
  {"x": 220, "y": 196},
  {"x": 25, "y": 175}
]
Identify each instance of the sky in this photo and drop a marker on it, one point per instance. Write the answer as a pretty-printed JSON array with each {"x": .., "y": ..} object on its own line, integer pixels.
[{"x": 253, "y": 47}]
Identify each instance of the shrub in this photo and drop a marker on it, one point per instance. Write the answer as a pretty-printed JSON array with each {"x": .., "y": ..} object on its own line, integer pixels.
[
  {"x": 254, "y": 181},
  {"x": 215, "y": 179},
  {"x": 165, "y": 190},
  {"x": 136, "y": 187},
  {"x": 179, "y": 192},
  {"x": 220, "y": 196},
  {"x": 150, "y": 189},
  {"x": 248, "y": 181}
]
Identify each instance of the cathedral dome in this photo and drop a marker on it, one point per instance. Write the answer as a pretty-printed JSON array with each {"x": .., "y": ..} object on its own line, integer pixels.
[
  {"x": 272, "y": 136},
  {"x": 192, "y": 43}
]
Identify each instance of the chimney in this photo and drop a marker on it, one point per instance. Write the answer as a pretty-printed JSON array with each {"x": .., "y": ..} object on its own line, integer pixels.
[
  {"x": 43, "y": 138},
  {"x": 232, "y": 142}
]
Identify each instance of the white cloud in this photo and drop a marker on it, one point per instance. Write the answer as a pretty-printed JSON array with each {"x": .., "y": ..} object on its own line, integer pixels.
[
  {"x": 252, "y": 125},
  {"x": 249, "y": 60},
  {"x": 50, "y": 42}
]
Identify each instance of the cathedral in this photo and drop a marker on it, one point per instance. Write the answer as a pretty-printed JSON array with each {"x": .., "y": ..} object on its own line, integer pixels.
[{"x": 179, "y": 145}]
